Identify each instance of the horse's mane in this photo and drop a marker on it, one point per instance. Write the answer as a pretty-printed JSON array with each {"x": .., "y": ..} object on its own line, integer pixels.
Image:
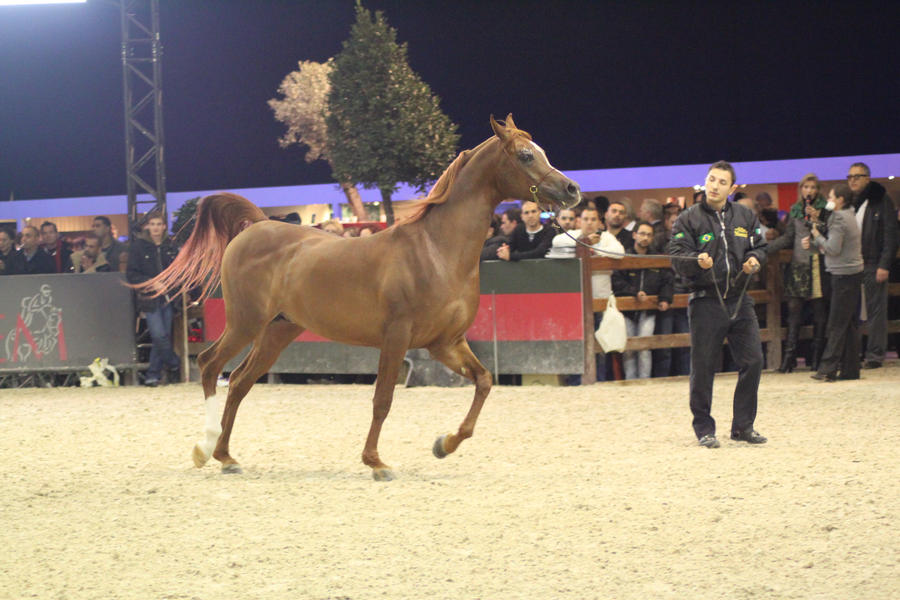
[{"x": 441, "y": 189}]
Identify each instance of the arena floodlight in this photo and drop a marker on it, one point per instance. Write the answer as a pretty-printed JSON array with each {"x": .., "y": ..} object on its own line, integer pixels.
[{"x": 31, "y": 2}]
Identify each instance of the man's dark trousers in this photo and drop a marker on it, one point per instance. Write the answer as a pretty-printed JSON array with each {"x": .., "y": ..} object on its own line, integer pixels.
[
  {"x": 876, "y": 314},
  {"x": 710, "y": 327}
]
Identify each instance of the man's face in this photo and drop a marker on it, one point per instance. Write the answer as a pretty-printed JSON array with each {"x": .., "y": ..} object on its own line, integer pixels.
[
  {"x": 100, "y": 229},
  {"x": 30, "y": 239},
  {"x": 531, "y": 215},
  {"x": 156, "y": 227},
  {"x": 615, "y": 215},
  {"x": 643, "y": 236},
  {"x": 5, "y": 241},
  {"x": 49, "y": 235},
  {"x": 718, "y": 186},
  {"x": 92, "y": 248},
  {"x": 567, "y": 219},
  {"x": 507, "y": 226},
  {"x": 590, "y": 222},
  {"x": 857, "y": 180},
  {"x": 809, "y": 189}
]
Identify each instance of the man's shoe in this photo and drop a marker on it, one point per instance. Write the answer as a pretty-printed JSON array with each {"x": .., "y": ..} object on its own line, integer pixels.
[
  {"x": 151, "y": 382},
  {"x": 871, "y": 364},
  {"x": 173, "y": 375},
  {"x": 750, "y": 436},
  {"x": 824, "y": 376},
  {"x": 709, "y": 441}
]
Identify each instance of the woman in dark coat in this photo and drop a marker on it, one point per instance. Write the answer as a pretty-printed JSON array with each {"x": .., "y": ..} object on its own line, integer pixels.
[{"x": 805, "y": 279}]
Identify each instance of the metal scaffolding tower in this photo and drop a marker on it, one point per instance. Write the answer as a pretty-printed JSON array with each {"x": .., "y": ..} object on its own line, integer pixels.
[{"x": 142, "y": 86}]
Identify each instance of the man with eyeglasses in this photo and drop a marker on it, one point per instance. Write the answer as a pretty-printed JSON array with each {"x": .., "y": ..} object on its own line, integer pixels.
[{"x": 876, "y": 215}]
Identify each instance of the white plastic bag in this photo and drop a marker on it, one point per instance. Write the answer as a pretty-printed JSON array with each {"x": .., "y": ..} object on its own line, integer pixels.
[
  {"x": 611, "y": 335},
  {"x": 99, "y": 369}
]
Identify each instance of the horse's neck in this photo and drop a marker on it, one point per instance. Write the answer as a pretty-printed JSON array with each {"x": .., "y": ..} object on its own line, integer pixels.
[{"x": 457, "y": 227}]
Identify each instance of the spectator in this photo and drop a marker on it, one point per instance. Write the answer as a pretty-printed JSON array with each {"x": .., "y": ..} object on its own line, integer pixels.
[
  {"x": 804, "y": 276},
  {"x": 641, "y": 283},
  {"x": 616, "y": 215},
  {"x": 725, "y": 240},
  {"x": 605, "y": 244},
  {"x": 509, "y": 220},
  {"x": 333, "y": 226},
  {"x": 843, "y": 259},
  {"x": 148, "y": 257},
  {"x": 91, "y": 259},
  {"x": 10, "y": 259},
  {"x": 672, "y": 361},
  {"x": 113, "y": 250},
  {"x": 566, "y": 218},
  {"x": 531, "y": 239},
  {"x": 493, "y": 240},
  {"x": 57, "y": 248},
  {"x": 876, "y": 215},
  {"x": 32, "y": 258},
  {"x": 651, "y": 211}
]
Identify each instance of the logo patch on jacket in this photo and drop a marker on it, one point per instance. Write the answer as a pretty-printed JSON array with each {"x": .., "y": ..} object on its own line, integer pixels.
[
  {"x": 740, "y": 232},
  {"x": 707, "y": 238},
  {"x": 679, "y": 235}
]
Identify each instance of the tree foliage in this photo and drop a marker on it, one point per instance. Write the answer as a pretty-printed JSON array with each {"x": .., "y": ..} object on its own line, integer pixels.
[
  {"x": 304, "y": 106},
  {"x": 385, "y": 126}
]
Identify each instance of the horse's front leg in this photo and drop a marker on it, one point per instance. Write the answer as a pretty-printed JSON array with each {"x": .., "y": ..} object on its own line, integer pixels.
[
  {"x": 460, "y": 359},
  {"x": 393, "y": 350}
]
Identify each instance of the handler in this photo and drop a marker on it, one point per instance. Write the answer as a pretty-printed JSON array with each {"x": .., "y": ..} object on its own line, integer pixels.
[{"x": 726, "y": 239}]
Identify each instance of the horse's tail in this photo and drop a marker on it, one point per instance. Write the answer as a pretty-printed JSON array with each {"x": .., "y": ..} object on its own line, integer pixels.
[{"x": 220, "y": 217}]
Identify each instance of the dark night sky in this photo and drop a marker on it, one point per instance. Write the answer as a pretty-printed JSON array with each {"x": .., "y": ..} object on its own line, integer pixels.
[{"x": 598, "y": 84}]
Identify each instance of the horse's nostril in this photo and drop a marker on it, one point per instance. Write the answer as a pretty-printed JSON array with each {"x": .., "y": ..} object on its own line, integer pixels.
[{"x": 572, "y": 189}]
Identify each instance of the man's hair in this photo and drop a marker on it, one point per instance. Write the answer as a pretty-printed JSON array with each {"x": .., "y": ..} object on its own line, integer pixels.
[
  {"x": 104, "y": 220},
  {"x": 724, "y": 165},
  {"x": 513, "y": 214},
  {"x": 154, "y": 214},
  {"x": 49, "y": 224},
  {"x": 864, "y": 166},
  {"x": 90, "y": 235},
  {"x": 619, "y": 202},
  {"x": 569, "y": 209},
  {"x": 653, "y": 208},
  {"x": 31, "y": 227},
  {"x": 602, "y": 203},
  {"x": 8, "y": 232},
  {"x": 842, "y": 190},
  {"x": 590, "y": 208},
  {"x": 639, "y": 222}
]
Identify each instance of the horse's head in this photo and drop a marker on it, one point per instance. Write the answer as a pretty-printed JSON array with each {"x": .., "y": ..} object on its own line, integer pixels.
[{"x": 531, "y": 177}]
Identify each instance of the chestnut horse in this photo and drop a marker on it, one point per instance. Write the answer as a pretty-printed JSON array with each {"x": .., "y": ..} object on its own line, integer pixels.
[{"x": 414, "y": 285}]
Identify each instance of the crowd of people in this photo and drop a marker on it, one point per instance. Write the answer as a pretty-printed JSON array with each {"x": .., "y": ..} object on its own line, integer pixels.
[{"x": 843, "y": 242}]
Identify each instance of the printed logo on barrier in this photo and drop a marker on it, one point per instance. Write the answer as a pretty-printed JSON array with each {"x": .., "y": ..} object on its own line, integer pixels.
[
  {"x": 38, "y": 329},
  {"x": 707, "y": 238}
]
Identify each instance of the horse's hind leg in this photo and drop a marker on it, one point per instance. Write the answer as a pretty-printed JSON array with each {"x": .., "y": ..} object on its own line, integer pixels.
[
  {"x": 266, "y": 348},
  {"x": 211, "y": 362},
  {"x": 460, "y": 359}
]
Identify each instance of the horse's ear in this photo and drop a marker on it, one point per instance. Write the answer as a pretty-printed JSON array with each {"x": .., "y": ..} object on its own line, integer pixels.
[
  {"x": 509, "y": 122},
  {"x": 499, "y": 129}
]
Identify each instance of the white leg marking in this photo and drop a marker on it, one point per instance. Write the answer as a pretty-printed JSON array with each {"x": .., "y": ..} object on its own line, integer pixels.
[{"x": 213, "y": 425}]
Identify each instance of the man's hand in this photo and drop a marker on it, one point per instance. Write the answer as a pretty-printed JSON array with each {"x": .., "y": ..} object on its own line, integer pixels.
[
  {"x": 663, "y": 306},
  {"x": 705, "y": 260},
  {"x": 503, "y": 252},
  {"x": 641, "y": 296},
  {"x": 751, "y": 265},
  {"x": 812, "y": 212},
  {"x": 881, "y": 275},
  {"x": 814, "y": 231},
  {"x": 805, "y": 243},
  {"x": 86, "y": 261},
  {"x": 592, "y": 238}
]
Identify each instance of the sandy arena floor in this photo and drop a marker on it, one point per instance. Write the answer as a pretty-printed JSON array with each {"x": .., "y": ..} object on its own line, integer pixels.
[{"x": 597, "y": 492}]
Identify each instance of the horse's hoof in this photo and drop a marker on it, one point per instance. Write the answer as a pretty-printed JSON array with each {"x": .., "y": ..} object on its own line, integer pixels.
[
  {"x": 232, "y": 469},
  {"x": 199, "y": 456},
  {"x": 438, "y": 448},
  {"x": 382, "y": 475}
]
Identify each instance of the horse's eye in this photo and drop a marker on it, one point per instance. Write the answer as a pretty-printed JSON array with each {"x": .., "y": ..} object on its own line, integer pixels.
[{"x": 526, "y": 155}]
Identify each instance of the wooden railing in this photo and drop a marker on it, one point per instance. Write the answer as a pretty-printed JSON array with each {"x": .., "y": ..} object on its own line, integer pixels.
[{"x": 771, "y": 297}]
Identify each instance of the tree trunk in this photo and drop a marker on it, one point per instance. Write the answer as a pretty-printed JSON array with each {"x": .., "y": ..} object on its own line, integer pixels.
[
  {"x": 388, "y": 207},
  {"x": 355, "y": 201}
]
